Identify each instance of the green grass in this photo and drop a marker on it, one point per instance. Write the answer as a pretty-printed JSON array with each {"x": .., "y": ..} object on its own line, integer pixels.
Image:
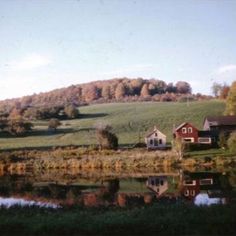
[
  {"x": 130, "y": 121},
  {"x": 176, "y": 219}
]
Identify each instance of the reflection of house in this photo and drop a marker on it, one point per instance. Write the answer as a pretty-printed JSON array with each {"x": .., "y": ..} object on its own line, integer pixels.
[
  {"x": 155, "y": 139},
  {"x": 202, "y": 182},
  {"x": 190, "y": 134},
  {"x": 158, "y": 184},
  {"x": 218, "y": 124}
]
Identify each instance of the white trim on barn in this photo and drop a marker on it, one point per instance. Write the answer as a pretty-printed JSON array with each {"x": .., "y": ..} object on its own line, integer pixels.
[{"x": 206, "y": 140}]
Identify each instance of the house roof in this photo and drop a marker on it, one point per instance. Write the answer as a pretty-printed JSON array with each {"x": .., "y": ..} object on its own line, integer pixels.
[
  {"x": 221, "y": 120},
  {"x": 183, "y": 124},
  {"x": 153, "y": 131}
]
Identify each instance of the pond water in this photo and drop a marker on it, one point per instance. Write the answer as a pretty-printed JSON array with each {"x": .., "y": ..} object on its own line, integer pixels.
[{"x": 65, "y": 188}]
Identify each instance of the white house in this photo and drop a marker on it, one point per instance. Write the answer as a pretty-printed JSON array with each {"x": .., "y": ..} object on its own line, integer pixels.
[
  {"x": 158, "y": 184},
  {"x": 155, "y": 139}
]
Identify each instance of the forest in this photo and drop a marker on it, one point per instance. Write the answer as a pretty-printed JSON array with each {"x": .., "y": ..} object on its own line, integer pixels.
[{"x": 114, "y": 90}]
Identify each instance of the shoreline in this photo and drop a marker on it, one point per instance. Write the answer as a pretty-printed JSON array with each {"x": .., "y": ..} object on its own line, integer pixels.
[{"x": 91, "y": 159}]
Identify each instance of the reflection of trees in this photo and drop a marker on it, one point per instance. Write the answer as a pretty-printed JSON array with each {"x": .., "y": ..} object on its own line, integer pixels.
[{"x": 113, "y": 186}]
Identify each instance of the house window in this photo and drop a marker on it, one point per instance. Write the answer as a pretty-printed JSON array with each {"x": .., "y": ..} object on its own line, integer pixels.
[
  {"x": 184, "y": 130},
  {"x": 160, "y": 141},
  {"x": 206, "y": 181},
  {"x": 151, "y": 142},
  {"x": 189, "y": 182},
  {"x": 155, "y": 134},
  {"x": 157, "y": 182},
  {"x": 192, "y": 192},
  {"x": 204, "y": 140},
  {"x": 190, "y": 130},
  {"x": 189, "y": 140},
  {"x": 186, "y": 192},
  {"x": 162, "y": 182}
]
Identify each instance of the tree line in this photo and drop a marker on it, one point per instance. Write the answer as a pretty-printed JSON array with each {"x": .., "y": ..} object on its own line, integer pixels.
[{"x": 120, "y": 89}]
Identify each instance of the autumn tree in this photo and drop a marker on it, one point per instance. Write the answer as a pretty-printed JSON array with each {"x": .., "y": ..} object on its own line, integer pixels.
[
  {"x": 53, "y": 124},
  {"x": 106, "y": 91},
  {"x": 120, "y": 91},
  {"x": 18, "y": 126},
  {"x": 144, "y": 91},
  {"x": 231, "y": 100},
  {"x": 15, "y": 113},
  {"x": 224, "y": 91},
  {"x": 152, "y": 89},
  {"x": 183, "y": 87},
  {"x": 136, "y": 85},
  {"x": 170, "y": 88},
  {"x": 90, "y": 93},
  {"x": 3, "y": 122},
  {"x": 105, "y": 138},
  {"x": 71, "y": 111}
]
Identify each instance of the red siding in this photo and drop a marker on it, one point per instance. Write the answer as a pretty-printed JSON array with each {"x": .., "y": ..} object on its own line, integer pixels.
[{"x": 188, "y": 134}]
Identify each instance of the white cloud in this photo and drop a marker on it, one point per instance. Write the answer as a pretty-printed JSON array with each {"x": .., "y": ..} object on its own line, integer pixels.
[
  {"x": 30, "y": 62},
  {"x": 226, "y": 68}
]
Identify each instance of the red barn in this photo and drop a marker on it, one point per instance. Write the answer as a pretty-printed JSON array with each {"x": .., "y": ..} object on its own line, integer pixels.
[{"x": 187, "y": 132}]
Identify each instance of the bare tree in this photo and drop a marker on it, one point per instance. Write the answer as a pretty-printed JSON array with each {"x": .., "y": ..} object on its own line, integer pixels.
[{"x": 179, "y": 146}]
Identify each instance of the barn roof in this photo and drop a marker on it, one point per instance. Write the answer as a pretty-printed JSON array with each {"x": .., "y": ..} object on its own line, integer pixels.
[{"x": 221, "y": 120}]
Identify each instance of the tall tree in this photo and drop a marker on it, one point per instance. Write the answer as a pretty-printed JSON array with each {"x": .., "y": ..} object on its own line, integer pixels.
[
  {"x": 106, "y": 91},
  {"x": 224, "y": 91},
  {"x": 183, "y": 87},
  {"x": 145, "y": 91},
  {"x": 90, "y": 93},
  {"x": 120, "y": 91},
  {"x": 231, "y": 100},
  {"x": 216, "y": 88}
]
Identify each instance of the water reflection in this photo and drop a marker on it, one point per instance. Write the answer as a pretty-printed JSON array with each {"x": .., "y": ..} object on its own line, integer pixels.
[
  {"x": 200, "y": 188},
  {"x": 10, "y": 202}
]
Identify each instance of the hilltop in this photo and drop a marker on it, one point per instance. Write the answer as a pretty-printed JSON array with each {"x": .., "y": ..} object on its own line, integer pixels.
[{"x": 106, "y": 91}]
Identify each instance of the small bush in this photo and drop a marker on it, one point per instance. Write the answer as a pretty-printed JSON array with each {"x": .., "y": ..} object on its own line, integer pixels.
[
  {"x": 232, "y": 142},
  {"x": 106, "y": 139}
]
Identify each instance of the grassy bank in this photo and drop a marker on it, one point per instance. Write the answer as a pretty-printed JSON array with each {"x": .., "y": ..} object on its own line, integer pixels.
[
  {"x": 176, "y": 219},
  {"x": 121, "y": 160},
  {"x": 130, "y": 121}
]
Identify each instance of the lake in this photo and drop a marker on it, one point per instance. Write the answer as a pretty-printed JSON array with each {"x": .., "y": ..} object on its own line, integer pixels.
[{"x": 60, "y": 188}]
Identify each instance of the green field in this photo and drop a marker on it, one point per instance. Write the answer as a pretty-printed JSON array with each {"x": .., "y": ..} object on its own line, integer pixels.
[
  {"x": 158, "y": 219},
  {"x": 130, "y": 122}
]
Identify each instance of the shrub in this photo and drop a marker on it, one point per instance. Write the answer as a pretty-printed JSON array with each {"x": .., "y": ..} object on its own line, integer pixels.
[
  {"x": 53, "y": 124},
  {"x": 232, "y": 142},
  {"x": 18, "y": 127},
  {"x": 106, "y": 139}
]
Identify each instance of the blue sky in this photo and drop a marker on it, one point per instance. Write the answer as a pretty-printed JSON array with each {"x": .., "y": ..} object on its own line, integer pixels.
[{"x": 48, "y": 44}]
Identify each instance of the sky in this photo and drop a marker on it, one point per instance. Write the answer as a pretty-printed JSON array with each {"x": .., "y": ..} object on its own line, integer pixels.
[{"x": 48, "y": 44}]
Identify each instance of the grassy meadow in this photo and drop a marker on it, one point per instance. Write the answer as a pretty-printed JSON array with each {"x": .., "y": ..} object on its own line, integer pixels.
[
  {"x": 159, "y": 219},
  {"x": 130, "y": 122}
]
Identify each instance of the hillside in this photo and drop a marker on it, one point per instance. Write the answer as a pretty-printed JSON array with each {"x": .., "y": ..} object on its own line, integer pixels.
[
  {"x": 130, "y": 121},
  {"x": 114, "y": 90}
]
